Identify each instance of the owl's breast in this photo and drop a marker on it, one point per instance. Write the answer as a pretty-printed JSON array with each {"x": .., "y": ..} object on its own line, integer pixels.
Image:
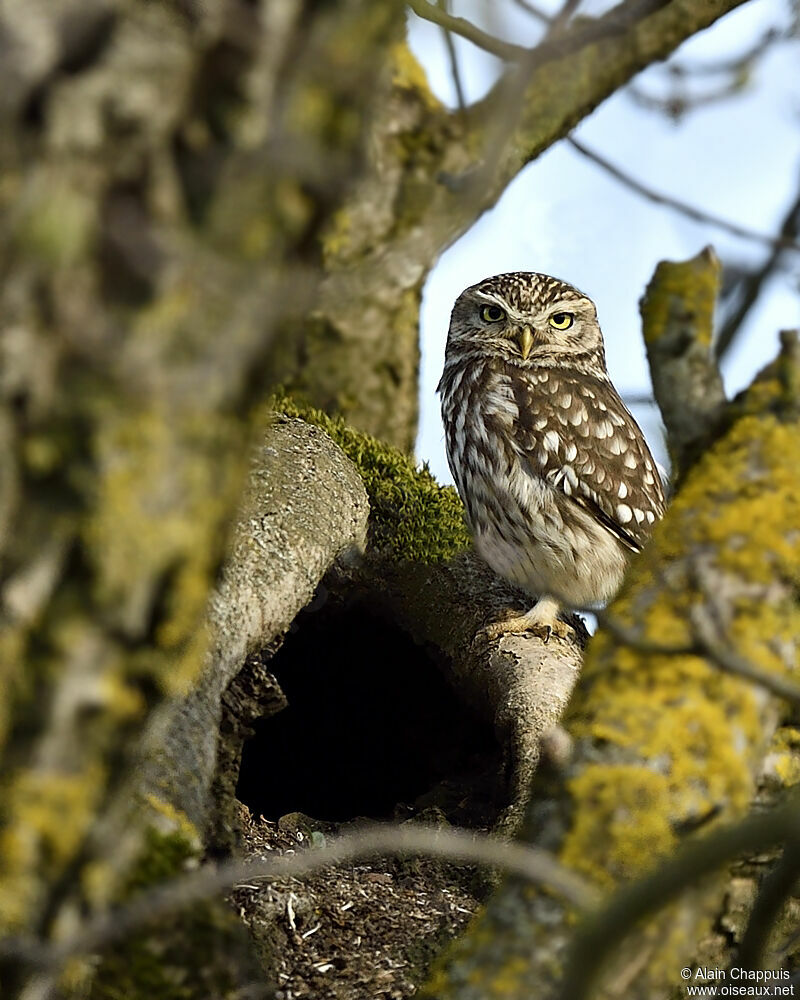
[{"x": 490, "y": 468}]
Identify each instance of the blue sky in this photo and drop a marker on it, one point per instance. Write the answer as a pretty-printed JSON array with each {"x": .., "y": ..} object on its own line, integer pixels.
[{"x": 562, "y": 215}]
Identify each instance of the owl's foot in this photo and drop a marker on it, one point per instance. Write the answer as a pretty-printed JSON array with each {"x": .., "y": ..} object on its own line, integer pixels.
[{"x": 542, "y": 620}]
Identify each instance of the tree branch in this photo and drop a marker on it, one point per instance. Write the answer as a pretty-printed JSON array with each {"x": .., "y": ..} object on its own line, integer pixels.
[
  {"x": 781, "y": 242},
  {"x": 457, "y": 846},
  {"x": 754, "y": 284},
  {"x": 677, "y": 319},
  {"x": 711, "y": 646},
  {"x": 466, "y": 29},
  {"x": 704, "y": 643},
  {"x": 534, "y": 11},
  {"x": 452, "y": 56}
]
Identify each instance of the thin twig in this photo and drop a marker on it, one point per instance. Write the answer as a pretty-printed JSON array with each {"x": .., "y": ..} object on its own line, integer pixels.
[
  {"x": 556, "y": 44},
  {"x": 636, "y": 640},
  {"x": 699, "y": 215},
  {"x": 534, "y": 11},
  {"x": 561, "y": 19},
  {"x": 734, "y": 64},
  {"x": 530, "y": 862},
  {"x": 788, "y": 231},
  {"x": 452, "y": 56},
  {"x": 775, "y": 889},
  {"x": 704, "y": 643},
  {"x": 466, "y": 29},
  {"x": 601, "y": 932},
  {"x": 731, "y": 662},
  {"x": 638, "y": 399}
]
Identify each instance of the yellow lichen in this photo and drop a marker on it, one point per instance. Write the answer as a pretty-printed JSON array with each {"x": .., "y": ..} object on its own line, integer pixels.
[
  {"x": 408, "y": 74},
  {"x": 622, "y": 822},
  {"x": 49, "y": 813},
  {"x": 688, "y": 286}
]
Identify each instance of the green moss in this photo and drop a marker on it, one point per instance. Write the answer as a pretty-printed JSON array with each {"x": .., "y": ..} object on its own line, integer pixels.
[{"x": 412, "y": 517}]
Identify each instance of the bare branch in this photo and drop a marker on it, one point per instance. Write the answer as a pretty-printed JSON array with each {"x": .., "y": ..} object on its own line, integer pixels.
[
  {"x": 568, "y": 8},
  {"x": 466, "y": 29},
  {"x": 639, "y": 399},
  {"x": 727, "y": 659},
  {"x": 783, "y": 241},
  {"x": 703, "y": 643},
  {"x": 536, "y": 865},
  {"x": 754, "y": 285},
  {"x": 679, "y": 101},
  {"x": 452, "y": 56},
  {"x": 734, "y": 64},
  {"x": 635, "y": 639},
  {"x": 534, "y": 11},
  {"x": 599, "y": 934}
]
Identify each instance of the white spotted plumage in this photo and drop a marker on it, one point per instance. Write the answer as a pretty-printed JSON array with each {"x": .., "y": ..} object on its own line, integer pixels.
[{"x": 557, "y": 480}]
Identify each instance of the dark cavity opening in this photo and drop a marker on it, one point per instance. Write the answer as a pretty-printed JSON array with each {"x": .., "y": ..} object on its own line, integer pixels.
[{"x": 371, "y": 729}]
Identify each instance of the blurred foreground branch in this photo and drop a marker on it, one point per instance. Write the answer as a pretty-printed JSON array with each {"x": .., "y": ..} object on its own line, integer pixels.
[{"x": 457, "y": 846}]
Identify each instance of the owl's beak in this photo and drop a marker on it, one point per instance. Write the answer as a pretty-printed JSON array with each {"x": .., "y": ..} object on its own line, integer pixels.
[{"x": 525, "y": 341}]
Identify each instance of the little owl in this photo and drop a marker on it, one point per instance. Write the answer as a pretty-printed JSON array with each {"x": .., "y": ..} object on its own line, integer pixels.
[{"x": 557, "y": 480}]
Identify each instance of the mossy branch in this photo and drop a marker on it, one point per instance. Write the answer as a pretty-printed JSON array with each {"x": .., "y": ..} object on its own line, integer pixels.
[{"x": 678, "y": 317}]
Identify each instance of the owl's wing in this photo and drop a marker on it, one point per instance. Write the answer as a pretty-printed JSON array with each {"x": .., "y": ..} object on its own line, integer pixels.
[{"x": 575, "y": 432}]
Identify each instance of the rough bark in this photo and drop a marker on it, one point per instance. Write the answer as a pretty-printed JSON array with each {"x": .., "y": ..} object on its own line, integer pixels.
[
  {"x": 147, "y": 226},
  {"x": 304, "y": 508},
  {"x": 301, "y": 530},
  {"x": 665, "y": 741}
]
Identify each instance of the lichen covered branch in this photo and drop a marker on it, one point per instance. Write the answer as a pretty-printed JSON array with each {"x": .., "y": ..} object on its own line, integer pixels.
[{"x": 677, "y": 318}]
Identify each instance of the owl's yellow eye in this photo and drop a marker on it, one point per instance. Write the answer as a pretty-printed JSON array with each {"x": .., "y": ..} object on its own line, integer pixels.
[
  {"x": 492, "y": 314},
  {"x": 562, "y": 321}
]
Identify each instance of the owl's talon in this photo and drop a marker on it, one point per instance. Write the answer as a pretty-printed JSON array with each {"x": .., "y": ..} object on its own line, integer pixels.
[
  {"x": 557, "y": 628},
  {"x": 528, "y": 623}
]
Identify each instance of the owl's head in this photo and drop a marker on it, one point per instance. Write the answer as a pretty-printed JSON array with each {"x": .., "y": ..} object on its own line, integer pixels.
[{"x": 529, "y": 320}]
